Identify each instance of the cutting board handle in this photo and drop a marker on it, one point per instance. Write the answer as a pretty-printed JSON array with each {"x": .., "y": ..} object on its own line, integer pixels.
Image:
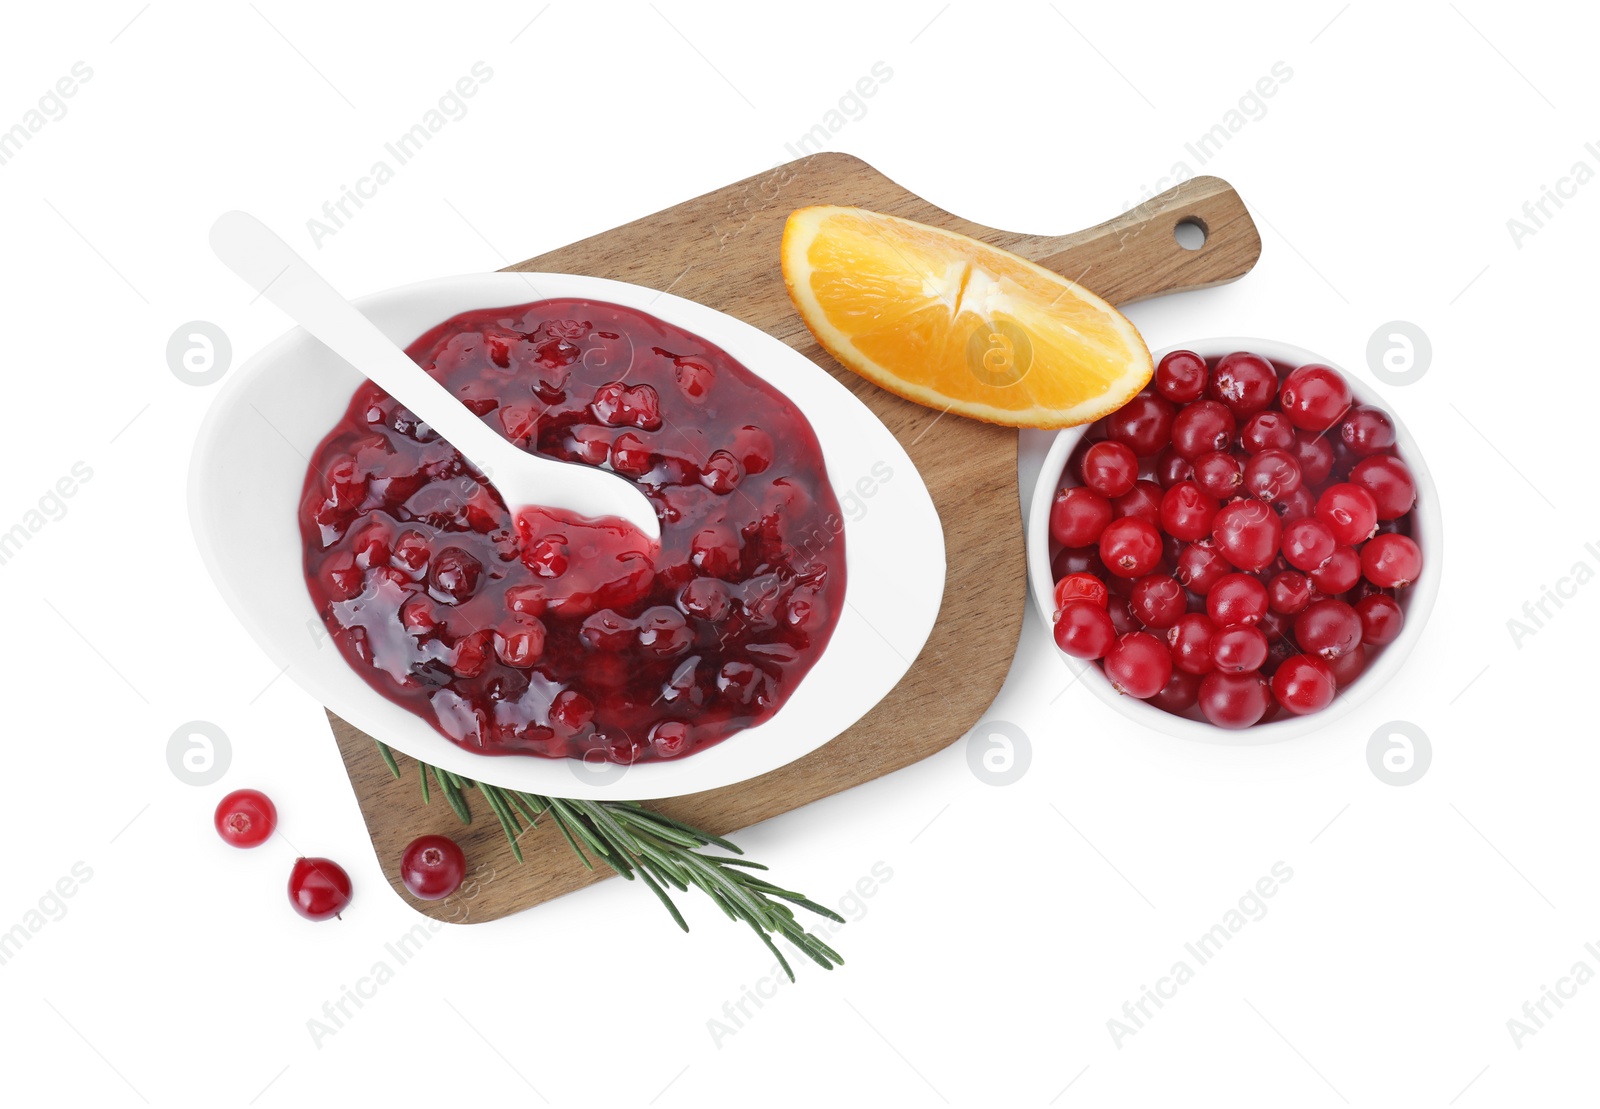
[{"x": 1138, "y": 255}]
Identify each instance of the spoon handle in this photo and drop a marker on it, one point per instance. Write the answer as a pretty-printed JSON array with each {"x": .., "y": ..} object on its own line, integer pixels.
[{"x": 277, "y": 272}]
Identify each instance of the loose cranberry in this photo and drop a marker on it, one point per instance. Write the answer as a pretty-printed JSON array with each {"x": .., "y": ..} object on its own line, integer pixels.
[
  {"x": 432, "y": 867},
  {"x": 1304, "y": 684},
  {"x": 1236, "y": 599},
  {"x": 1307, "y": 543},
  {"x": 1315, "y": 455},
  {"x": 1367, "y": 430},
  {"x": 1130, "y": 547},
  {"x": 1139, "y": 665},
  {"x": 1248, "y": 534},
  {"x": 1171, "y": 468},
  {"x": 1078, "y": 515},
  {"x": 1391, "y": 561},
  {"x": 1144, "y": 424},
  {"x": 1238, "y": 649},
  {"x": 1110, "y": 468},
  {"x": 1219, "y": 474},
  {"x": 245, "y": 818},
  {"x": 1245, "y": 382},
  {"x": 1143, "y": 501},
  {"x": 1389, "y": 482},
  {"x": 1339, "y": 572},
  {"x": 1158, "y": 600},
  {"x": 1202, "y": 427},
  {"x": 1080, "y": 587},
  {"x": 1381, "y": 619},
  {"x": 1314, "y": 397},
  {"x": 1349, "y": 511},
  {"x": 1267, "y": 431},
  {"x": 1190, "y": 643},
  {"x": 1200, "y": 566},
  {"x": 1233, "y": 700},
  {"x": 1180, "y": 694},
  {"x": 319, "y": 889},
  {"x": 1288, "y": 593},
  {"x": 1076, "y": 560},
  {"x": 1328, "y": 629},
  {"x": 1181, "y": 376},
  {"x": 1297, "y": 506},
  {"x": 1084, "y": 630},
  {"x": 1271, "y": 475},
  {"x": 1121, "y": 613},
  {"x": 1348, "y": 666},
  {"x": 1187, "y": 511}
]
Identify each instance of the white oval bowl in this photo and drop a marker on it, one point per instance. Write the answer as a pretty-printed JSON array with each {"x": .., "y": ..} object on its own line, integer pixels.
[
  {"x": 1428, "y": 527},
  {"x": 249, "y": 465}
]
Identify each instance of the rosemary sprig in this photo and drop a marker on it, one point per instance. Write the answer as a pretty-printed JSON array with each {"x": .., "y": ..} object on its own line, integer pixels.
[{"x": 665, "y": 854}]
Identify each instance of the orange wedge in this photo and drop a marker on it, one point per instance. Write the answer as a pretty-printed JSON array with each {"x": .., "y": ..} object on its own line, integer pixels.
[{"x": 956, "y": 324}]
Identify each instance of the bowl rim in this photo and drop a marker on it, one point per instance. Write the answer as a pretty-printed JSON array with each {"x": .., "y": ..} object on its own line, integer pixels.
[
  {"x": 408, "y": 310},
  {"x": 1429, "y": 529}
]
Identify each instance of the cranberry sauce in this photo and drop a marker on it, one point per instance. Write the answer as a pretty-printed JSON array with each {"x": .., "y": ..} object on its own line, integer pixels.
[{"x": 548, "y": 635}]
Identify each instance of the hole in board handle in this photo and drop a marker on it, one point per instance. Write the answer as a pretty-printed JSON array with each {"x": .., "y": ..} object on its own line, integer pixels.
[{"x": 1191, "y": 232}]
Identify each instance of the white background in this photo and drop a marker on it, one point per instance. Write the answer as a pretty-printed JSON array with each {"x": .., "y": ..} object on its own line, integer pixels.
[{"x": 1018, "y": 919}]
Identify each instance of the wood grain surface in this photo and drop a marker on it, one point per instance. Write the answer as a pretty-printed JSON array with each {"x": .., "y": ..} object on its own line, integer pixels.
[{"x": 721, "y": 249}]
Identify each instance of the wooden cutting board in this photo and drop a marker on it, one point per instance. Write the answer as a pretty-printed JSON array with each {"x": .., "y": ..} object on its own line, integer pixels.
[{"x": 721, "y": 249}]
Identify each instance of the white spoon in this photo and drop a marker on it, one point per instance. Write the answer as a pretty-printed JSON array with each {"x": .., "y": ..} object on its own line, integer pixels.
[{"x": 274, "y": 270}]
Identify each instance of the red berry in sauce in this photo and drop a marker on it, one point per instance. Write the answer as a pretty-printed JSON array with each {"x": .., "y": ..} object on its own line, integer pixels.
[
  {"x": 319, "y": 889},
  {"x": 1139, "y": 665},
  {"x": 432, "y": 867},
  {"x": 245, "y": 818}
]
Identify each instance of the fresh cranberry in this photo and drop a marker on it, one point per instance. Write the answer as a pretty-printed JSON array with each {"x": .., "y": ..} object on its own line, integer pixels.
[
  {"x": 1367, "y": 430},
  {"x": 1296, "y": 506},
  {"x": 1288, "y": 592},
  {"x": 1389, "y": 482},
  {"x": 1236, "y": 599},
  {"x": 1349, "y": 511},
  {"x": 245, "y": 818},
  {"x": 1248, "y": 534},
  {"x": 319, "y": 889},
  {"x": 432, "y": 867},
  {"x": 1245, "y": 382},
  {"x": 1190, "y": 643},
  {"x": 1084, "y": 630},
  {"x": 1110, "y": 468},
  {"x": 1303, "y": 684},
  {"x": 1202, "y": 427},
  {"x": 1080, "y": 587},
  {"x": 1200, "y": 566},
  {"x": 1233, "y": 700},
  {"x": 1143, "y": 501},
  {"x": 1076, "y": 560},
  {"x": 1121, "y": 613},
  {"x": 1130, "y": 547},
  {"x": 1144, "y": 423},
  {"x": 1267, "y": 431},
  {"x": 1180, "y": 694},
  {"x": 1219, "y": 474},
  {"x": 1181, "y": 377},
  {"x": 1381, "y": 619},
  {"x": 1139, "y": 665},
  {"x": 1187, "y": 511},
  {"x": 1391, "y": 561},
  {"x": 1271, "y": 475},
  {"x": 1315, "y": 455},
  {"x": 1171, "y": 468},
  {"x": 1339, "y": 572},
  {"x": 1307, "y": 543},
  {"x": 1348, "y": 666},
  {"x": 1328, "y": 629},
  {"x": 1078, "y": 515},
  {"x": 1238, "y": 649},
  {"x": 1314, "y": 397},
  {"x": 1158, "y": 600}
]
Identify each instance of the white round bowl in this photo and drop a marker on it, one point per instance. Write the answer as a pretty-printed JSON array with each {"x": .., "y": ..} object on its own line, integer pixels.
[
  {"x": 1427, "y": 529},
  {"x": 250, "y": 459}
]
